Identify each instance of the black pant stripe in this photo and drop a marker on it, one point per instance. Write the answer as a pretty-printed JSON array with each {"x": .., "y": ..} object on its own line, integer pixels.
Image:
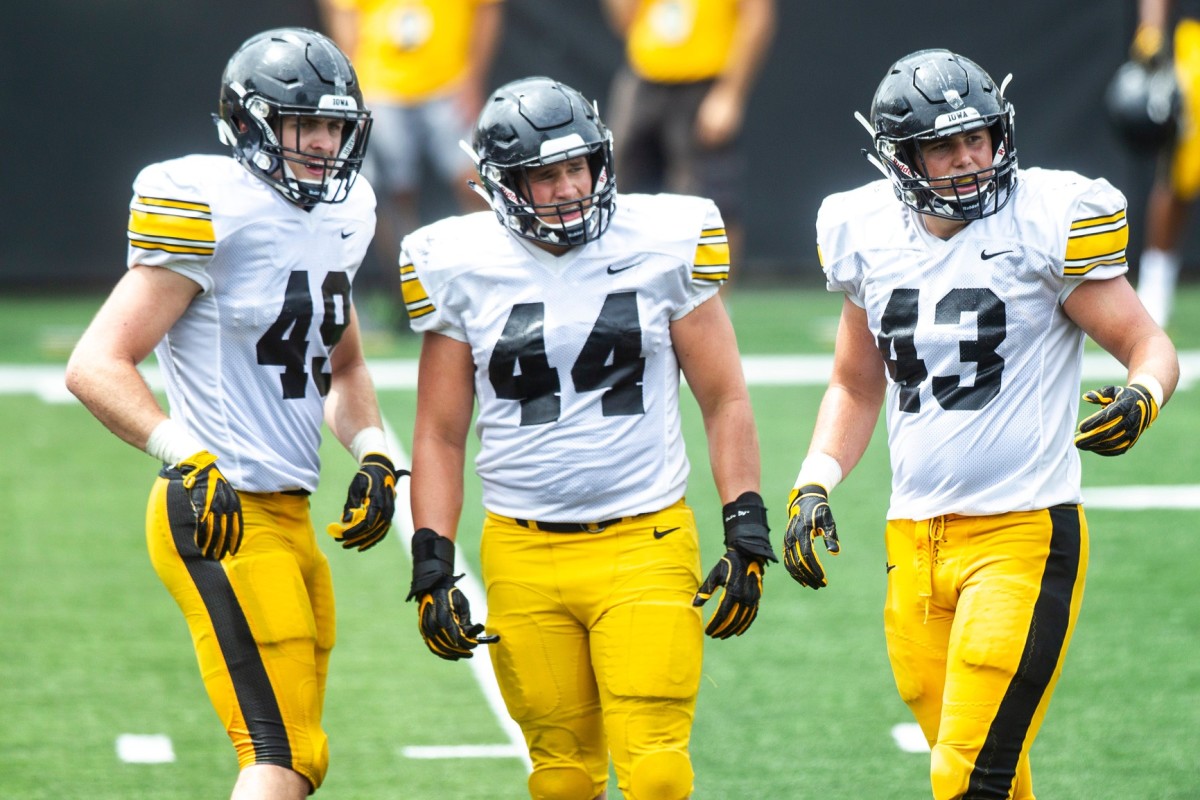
[
  {"x": 996, "y": 765},
  {"x": 251, "y": 684}
]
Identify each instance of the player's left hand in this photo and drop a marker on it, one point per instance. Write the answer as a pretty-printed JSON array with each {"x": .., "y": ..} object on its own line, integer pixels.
[
  {"x": 443, "y": 612},
  {"x": 1126, "y": 414},
  {"x": 809, "y": 517},
  {"x": 370, "y": 503},
  {"x": 740, "y": 570}
]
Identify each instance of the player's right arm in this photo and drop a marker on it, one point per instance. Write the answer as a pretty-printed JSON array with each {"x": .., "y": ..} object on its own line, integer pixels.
[
  {"x": 845, "y": 422},
  {"x": 102, "y": 371},
  {"x": 445, "y": 400}
]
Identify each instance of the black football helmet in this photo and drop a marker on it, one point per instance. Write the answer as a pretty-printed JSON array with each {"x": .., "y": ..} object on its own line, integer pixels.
[
  {"x": 1144, "y": 105},
  {"x": 532, "y": 122},
  {"x": 292, "y": 72},
  {"x": 930, "y": 94}
]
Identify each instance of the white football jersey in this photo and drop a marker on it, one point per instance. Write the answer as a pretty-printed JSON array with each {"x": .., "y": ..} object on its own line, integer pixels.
[
  {"x": 246, "y": 366},
  {"x": 983, "y": 364},
  {"x": 576, "y": 380}
]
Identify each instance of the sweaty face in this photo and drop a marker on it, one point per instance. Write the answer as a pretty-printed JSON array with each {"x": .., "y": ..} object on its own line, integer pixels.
[
  {"x": 947, "y": 160},
  {"x": 320, "y": 137},
  {"x": 551, "y": 185}
]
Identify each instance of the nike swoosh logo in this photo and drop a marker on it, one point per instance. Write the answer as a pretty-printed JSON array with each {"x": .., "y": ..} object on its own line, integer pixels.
[
  {"x": 659, "y": 534},
  {"x": 347, "y": 234},
  {"x": 614, "y": 269},
  {"x": 985, "y": 255},
  {"x": 890, "y": 567}
]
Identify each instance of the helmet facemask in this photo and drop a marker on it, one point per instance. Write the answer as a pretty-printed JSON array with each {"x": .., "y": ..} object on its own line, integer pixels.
[
  {"x": 512, "y": 198},
  {"x": 260, "y": 145},
  {"x": 965, "y": 196},
  {"x": 530, "y": 124}
]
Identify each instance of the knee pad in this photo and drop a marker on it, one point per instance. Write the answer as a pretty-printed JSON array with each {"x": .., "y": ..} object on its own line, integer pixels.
[
  {"x": 664, "y": 775},
  {"x": 561, "y": 783}
]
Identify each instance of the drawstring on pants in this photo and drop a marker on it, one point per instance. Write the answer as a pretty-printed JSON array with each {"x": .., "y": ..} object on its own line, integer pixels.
[{"x": 929, "y": 535}]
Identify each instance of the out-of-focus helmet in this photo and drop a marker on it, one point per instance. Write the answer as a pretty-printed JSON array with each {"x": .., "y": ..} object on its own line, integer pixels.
[{"x": 1143, "y": 104}]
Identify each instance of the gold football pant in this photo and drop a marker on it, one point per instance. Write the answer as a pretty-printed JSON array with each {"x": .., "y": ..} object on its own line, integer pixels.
[
  {"x": 978, "y": 617},
  {"x": 600, "y": 650},
  {"x": 262, "y": 623}
]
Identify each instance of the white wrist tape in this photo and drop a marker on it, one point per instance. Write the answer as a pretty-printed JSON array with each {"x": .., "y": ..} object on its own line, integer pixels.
[
  {"x": 821, "y": 469},
  {"x": 368, "y": 440},
  {"x": 1151, "y": 383},
  {"x": 170, "y": 443}
]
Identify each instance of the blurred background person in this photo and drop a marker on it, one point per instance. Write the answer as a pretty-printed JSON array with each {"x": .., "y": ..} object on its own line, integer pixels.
[
  {"x": 1170, "y": 31},
  {"x": 424, "y": 68},
  {"x": 678, "y": 103}
]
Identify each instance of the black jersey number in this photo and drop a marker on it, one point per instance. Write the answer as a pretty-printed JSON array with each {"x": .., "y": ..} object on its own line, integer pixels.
[
  {"x": 611, "y": 360},
  {"x": 897, "y": 343},
  {"x": 285, "y": 343}
]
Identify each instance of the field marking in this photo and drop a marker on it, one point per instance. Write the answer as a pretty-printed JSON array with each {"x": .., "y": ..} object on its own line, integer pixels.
[
  {"x": 909, "y": 738},
  {"x": 143, "y": 748},
  {"x": 46, "y": 382},
  {"x": 464, "y": 751},
  {"x": 1136, "y": 498},
  {"x": 481, "y": 664}
]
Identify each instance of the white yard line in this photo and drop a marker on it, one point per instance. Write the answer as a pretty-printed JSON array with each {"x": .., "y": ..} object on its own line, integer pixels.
[
  {"x": 143, "y": 748},
  {"x": 481, "y": 664}
]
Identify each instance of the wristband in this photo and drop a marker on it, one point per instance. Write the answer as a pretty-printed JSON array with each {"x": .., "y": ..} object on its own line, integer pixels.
[
  {"x": 1152, "y": 385},
  {"x": 171, "y": 443},
  {"x": 821, "y": 469},
  {"x": 369, "y": 440}
]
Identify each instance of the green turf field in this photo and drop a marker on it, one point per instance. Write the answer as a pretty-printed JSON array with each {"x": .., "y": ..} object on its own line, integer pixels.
[{"x": 802, "y": 706}]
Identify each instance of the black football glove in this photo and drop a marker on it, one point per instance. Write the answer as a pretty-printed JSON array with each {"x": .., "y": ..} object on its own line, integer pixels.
[
  {"x": 217, "y": 506},
  {"x": 740, "y": 570},
  {"x": 370, "y": 503},
  {"x": 1126, "y": 414},
  {"x": 808, "y": 517},
  {"x": 443, "y": 613}
]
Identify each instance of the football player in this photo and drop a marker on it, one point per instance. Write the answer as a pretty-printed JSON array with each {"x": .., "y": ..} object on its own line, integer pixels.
[
  {"x": 1168, "y": 39},
  {"x": 569, "y": 323},
  {"x": 969, "y": 289},
  {"x": 240, "y": 270}
]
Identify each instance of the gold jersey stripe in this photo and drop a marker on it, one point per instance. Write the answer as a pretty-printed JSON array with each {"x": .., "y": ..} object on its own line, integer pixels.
[
  {"x": 708, "y": 255},
  {"x": 1086, "y": 268},
  {"x": 712, "y": 274},
  {"x": 170, "y": 248},
  {"x": 198, "y": 230},
  {"x": 416, "y": 299},
  {"x": 1092, "y": 222},
  {"x": 1102, "y": 244},
  {"x": 164, "y": 202}
]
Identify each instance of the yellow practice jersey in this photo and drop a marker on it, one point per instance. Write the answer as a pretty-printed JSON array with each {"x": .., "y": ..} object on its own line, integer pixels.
[
  {"x": 409, "y": 51},
  {"x": 676, "y": 41}
]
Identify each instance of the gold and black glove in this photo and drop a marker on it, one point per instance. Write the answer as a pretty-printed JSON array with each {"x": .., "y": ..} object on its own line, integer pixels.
[
  {"x": 739, "y": 573},
  {"x": 217, "y": 507},
  {"x": 370, "y": 503},
  {"x": 809, "y": 517},
  {"x": 443, "y": 613},
  {"x": 1126, "y": 414}
]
